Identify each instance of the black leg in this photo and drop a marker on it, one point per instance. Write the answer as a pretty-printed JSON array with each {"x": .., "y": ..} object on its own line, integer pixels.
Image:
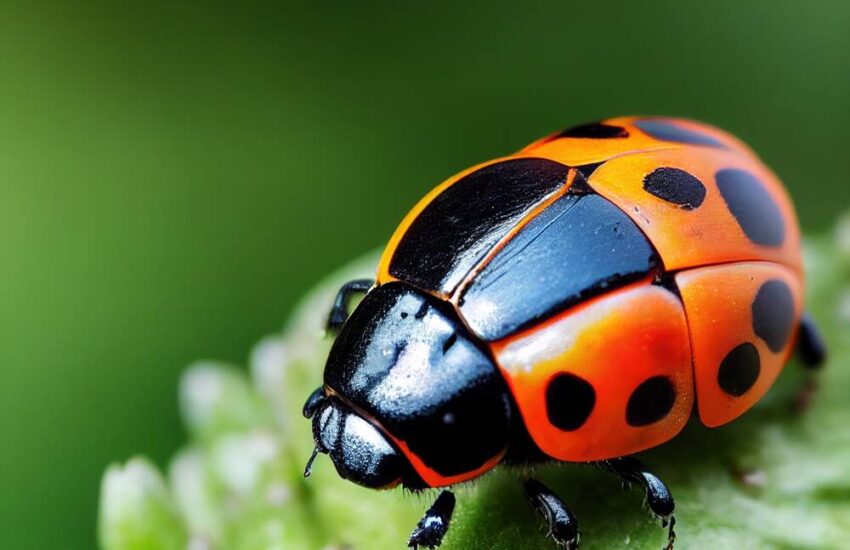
[
  {"x": 313, "y": 402},
  {"x": 811, "y": 347},
  {"x": 432, "y": 527},
  {"x": 658, "y": 496},
  {"x": 339, "y": 311},
  {"x": 562, "y": 524},
  {"x": 811, "y": 351}
]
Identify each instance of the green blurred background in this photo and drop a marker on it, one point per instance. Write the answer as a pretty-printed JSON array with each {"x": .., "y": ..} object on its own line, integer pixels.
[{"x": 173, "y": 177}]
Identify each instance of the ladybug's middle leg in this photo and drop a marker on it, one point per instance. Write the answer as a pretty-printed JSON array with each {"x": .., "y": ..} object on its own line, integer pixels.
[
  {"x": 562, "y": 524},
  {"x": 658, "y": 496},
  {"x": 432, "y": 527}
]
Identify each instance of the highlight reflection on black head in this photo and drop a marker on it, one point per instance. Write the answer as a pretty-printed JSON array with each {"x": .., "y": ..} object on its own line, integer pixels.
[
  {"x": 406, "y": 360},
  {"x": 359, "y": 451}
]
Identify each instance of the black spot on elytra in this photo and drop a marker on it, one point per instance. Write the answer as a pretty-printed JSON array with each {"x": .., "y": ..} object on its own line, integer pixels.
[
  {"x": 569, "y": 401},
  {"x": 752, "y": 206},
  {"x": 650, "y": 402},
  {"x": 739, "y": 370},
  {"x": 669, "y": 131},
  {"x": 595, "y": 130},
  {"x": 676, "y": 187},
  {"x": 773, "y": 314}
]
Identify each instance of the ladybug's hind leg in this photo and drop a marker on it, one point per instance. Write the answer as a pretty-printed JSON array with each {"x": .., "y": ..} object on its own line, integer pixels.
[
  {"x": 811, "y": 351},
  {"x": 658, "y": 496},
  {"x": 432, "y": 527},
  {"x": 811, "y": 347},
  {"x": 560, "y": 521},
  {"x": 339, "y": 311}
]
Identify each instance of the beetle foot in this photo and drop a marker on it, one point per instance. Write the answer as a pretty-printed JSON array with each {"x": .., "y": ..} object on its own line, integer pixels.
[
  {"x": 658, "y": 497},
  {"x": 432, "y": 527},
  {"x": 670, "y": 523},
  {"x": 562, "y": 525}
]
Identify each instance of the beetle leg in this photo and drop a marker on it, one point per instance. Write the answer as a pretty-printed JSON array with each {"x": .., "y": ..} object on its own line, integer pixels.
[
  {"x": 339, "y": 311},
  {"x": 432, "y": 527},
  {"x": 313, "y": 403},
  {"x": 811, "y": 351},
  {"x": 561, "y": 523},
  {"x": 811, "y": 347},
  {"x": 658, "y": 496}
]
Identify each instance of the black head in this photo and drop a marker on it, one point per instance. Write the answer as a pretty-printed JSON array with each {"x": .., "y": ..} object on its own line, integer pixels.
[
  {"x": 406, "y": 368},
  {"x": 357, "y": 448}
]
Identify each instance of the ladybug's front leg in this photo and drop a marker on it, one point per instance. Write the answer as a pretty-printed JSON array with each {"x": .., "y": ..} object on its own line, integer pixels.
[
  {"x": 562, "y": 524},
  {"x": 658, "y": 496},
  {"x": 432, "y": 527},
  {"x": 339, "y": 311}
]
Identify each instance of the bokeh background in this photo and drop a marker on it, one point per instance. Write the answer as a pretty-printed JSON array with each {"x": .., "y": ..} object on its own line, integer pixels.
[{"x": 173, "y": 177}]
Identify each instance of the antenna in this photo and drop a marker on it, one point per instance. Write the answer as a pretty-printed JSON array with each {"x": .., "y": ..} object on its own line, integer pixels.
[{"x": 309, "y": 468}]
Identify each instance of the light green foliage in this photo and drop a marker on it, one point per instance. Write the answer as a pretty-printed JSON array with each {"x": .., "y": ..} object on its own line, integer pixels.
[
  {"x": 138, "y": 511},
  {"x": 772, "y": 479}
]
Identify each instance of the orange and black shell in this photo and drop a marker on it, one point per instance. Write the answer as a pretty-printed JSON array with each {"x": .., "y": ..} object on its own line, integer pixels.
[{"x": 619, "y": 273}]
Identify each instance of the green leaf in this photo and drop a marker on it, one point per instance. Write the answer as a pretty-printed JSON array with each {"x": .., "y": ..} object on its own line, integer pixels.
[
  {"x": 775, "y": 478},
  {"x": 216, "y": 399},
  {"x": 137, "y": 511}
]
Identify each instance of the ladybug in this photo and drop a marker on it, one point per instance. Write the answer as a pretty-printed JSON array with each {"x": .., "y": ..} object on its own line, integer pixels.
[{"x": 576, "y": 301}]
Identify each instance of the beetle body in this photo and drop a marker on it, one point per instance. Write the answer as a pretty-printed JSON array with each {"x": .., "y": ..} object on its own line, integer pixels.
[{"x": 574, "y": 301}]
